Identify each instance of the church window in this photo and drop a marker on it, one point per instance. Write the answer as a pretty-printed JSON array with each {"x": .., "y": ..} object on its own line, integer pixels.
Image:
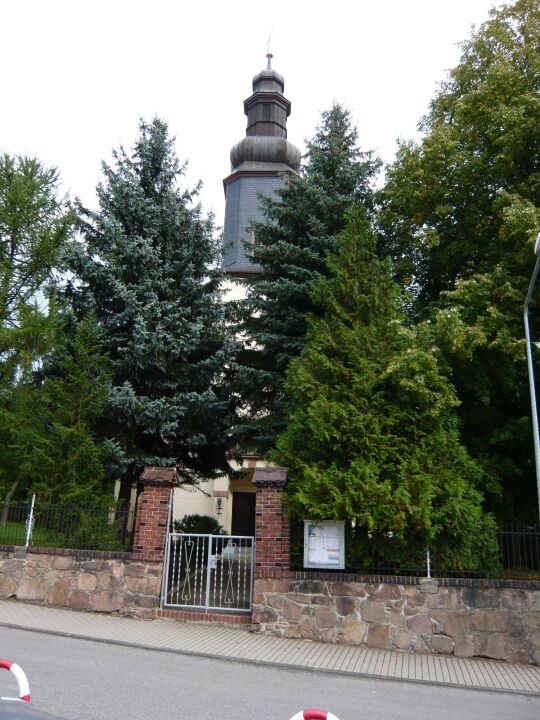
[{"x": 251, "y": 241}]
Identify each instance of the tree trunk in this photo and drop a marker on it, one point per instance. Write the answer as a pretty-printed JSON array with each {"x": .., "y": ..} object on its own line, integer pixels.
[
  {"x": 126, "y": 485},
  {"x": 5, "y": 507},
  {"x": 124, "y": 500}
]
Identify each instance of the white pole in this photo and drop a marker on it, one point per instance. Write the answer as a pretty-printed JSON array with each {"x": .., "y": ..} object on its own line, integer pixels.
[
  {"x": 534, "y": 410},
  {"x": 30, "y": 522},
  {"x": 428, "y": 560}
]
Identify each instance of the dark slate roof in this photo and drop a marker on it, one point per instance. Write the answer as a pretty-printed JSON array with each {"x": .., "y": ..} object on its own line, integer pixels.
[
  {"x": 268, "y": 74},
  {"x": 265, "y": 151}
]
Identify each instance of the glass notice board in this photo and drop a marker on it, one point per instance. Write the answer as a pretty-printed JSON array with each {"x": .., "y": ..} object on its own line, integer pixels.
[{"x": 324, "y": 545}]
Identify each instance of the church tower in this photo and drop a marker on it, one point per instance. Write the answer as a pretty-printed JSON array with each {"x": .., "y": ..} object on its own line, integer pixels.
[{"x": 257, "y": 164}]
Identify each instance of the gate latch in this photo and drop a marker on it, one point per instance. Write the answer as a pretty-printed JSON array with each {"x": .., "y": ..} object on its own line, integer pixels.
[{"x": 212, "y": 562}]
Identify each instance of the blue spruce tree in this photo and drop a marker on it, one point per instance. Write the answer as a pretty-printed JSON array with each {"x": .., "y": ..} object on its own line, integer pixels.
[{"x": 147, "y": 269}]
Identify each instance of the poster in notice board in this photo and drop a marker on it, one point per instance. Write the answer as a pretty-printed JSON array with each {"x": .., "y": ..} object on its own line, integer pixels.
[{"x": 324, "y": 545}]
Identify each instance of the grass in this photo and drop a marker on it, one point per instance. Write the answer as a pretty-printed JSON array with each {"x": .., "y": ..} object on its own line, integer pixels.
[
  {"x": 518, "y": 574},
  {"x": 83, "y": 536},
  {"x": 14, "y": 533}
]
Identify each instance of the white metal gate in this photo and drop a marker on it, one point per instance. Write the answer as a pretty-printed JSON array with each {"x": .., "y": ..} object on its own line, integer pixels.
[{"x": 210, "y": 572}]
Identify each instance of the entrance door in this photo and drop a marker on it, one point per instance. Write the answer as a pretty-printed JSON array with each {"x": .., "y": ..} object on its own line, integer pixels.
[{"x": 243, "y": 513}]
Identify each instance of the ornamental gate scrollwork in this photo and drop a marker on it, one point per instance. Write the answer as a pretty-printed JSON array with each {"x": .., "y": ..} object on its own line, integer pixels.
[{"x": 210, "y": 572}]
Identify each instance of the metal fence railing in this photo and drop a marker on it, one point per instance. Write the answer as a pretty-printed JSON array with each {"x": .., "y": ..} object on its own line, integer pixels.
[
  {"x": 512, "y": 551},
  {"x": 210, "y": 572},
  {"x": 520, "y": 548},
  {"x": 78, "y": 528}
]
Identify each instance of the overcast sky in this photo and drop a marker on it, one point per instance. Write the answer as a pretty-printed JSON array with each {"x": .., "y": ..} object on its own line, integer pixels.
[{"x": 76, "y": 76}]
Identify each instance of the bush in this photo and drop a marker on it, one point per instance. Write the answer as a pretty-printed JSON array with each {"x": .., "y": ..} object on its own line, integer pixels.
[
  {"x": 199, "y": 525},
  {"x": 370, "y": 552}
]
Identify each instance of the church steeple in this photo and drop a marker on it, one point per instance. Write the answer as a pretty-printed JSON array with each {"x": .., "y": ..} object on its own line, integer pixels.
[
  {"x": 257, "y": 164},
  {"x": 267, "y": 109}
]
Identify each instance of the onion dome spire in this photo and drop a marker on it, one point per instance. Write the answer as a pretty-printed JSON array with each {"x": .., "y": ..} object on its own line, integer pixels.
[
  {"x": 258, "y": 163},
  {"x": 267, "y": 110}
]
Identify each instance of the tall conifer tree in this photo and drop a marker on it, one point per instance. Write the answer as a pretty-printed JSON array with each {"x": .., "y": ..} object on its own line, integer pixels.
[
  {"x": 35, "y": 223},
  {"x": 373, "y": 432},
  {"x": 148, "y": 271},
  {"x": 62, "y": 457},
  {"x": 302, "y": 224}
]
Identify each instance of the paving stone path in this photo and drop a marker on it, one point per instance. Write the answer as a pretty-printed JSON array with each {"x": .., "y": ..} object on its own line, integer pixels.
[{"x": 242, "y": 646}]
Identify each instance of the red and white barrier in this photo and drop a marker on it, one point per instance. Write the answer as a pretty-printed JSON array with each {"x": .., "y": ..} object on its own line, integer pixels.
[
  {"x": 313, "y": 714},
  {"x": 20, "y": 676}
]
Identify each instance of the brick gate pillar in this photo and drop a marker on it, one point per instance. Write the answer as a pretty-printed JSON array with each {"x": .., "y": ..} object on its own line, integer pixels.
[
  {"x": 272, "y": 552},
  {"x": 151, "y": 521}
]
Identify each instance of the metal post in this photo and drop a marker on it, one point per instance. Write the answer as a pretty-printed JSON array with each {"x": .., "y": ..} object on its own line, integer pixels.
[
  {"x": 30, "y": 522},
  {"x": 252, "y": 571},
  {"x": 166, "y": 551},
  {"x": 209, "y": 563},
  {"x": 530, "y": 366},
  {"x": 428, "y": 562}
]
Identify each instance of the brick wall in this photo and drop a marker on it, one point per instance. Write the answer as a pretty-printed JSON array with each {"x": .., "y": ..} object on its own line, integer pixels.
[
  {"x": 271, "y": 531},
  {"x": 153, "y": 508},
  {"x": 151, "y": 519}
]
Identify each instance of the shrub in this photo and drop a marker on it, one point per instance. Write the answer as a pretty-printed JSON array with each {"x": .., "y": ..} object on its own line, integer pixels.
[{"x": 199, "y": 525}]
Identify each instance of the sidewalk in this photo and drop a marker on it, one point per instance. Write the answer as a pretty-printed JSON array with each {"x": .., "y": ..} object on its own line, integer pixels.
[{"x": 242, "y": 646}]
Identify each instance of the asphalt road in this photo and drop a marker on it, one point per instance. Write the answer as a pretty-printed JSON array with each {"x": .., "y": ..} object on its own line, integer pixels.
[{"x": 84, "y": 680}]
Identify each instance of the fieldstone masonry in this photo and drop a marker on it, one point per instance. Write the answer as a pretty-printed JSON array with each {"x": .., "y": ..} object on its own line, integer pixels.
[
  {"x": 123, "y": 583},
  {"x": 501, "y": 623},
  {"x": 495, "y": 619},
  {"x": 110, "y": 585}
]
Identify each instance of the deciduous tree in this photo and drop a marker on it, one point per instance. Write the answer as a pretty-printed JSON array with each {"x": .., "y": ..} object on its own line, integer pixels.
[{"x": 460, "y": 211}]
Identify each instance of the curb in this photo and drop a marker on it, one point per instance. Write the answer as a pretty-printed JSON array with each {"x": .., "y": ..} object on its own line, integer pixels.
[{"x": 269, "y": 663}]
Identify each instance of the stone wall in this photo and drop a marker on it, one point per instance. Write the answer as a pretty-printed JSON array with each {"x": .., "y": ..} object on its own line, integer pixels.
[
  {"x": 423, "y": 616},
  {"x": 122, "y": 583}
]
